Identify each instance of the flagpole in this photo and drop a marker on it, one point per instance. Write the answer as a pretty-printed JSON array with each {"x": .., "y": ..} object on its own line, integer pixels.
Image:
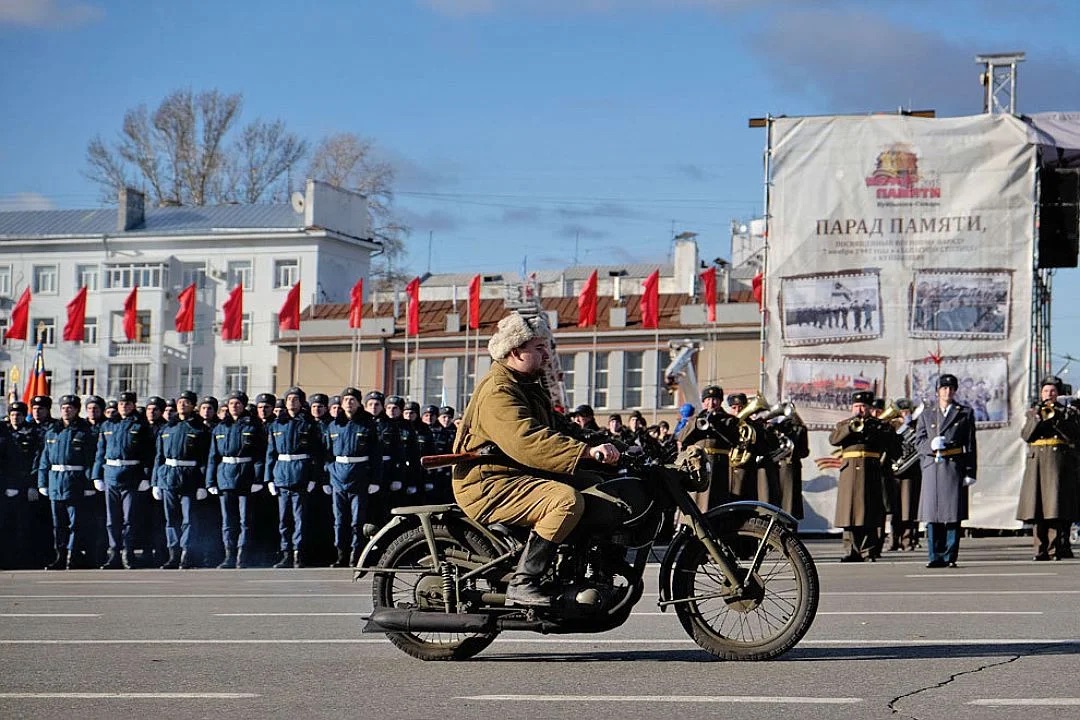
[
  {"x": 592, "y": 367},
  {"x": 78, "y": 372},
  {"x": 190, "y": 350},
  {"x": 656, "y": 354},
  {"x": 359, "y": 333},
  {"x": 296, "y": 365}
]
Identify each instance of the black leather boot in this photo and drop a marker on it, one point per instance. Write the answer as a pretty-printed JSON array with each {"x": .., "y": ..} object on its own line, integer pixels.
[
  {"x": 241, "y": 558},
  {"x": 524, "y": 588},
  {"x": 342, "y": 558},
  {"x": 113, "y": 561},
  {"x": 60, "y": 563},
  {"x": 298, "y": 560},
  {"x": 285, "y": 561},
  {"x": 354, "y": 558},
  {"x": 187, "y": 561},
  {"x": 229, "y": 562},
  {"x": 174, "y": 560}
]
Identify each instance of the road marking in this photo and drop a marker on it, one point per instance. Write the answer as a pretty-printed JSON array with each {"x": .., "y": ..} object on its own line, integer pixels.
[
  {"x": 50, "y": 615},
  {"x": 296, "y": 614},
  {"x": 1045, "y": 702},
  {"x": 889, "y": 612},
  {"x": 971, "y": 575},
  {"x": 928, "y": 593},
  {"x": 301, "y": 580},
  {"x": 669, "y": 699},
  {"x": 525, "y": 640},
  {"x": 178, "y": 596},
  {"x": 123, "y": 696},
  {"x": 102, "y": 582}
]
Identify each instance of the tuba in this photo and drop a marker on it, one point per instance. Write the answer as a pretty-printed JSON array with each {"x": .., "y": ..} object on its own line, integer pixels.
[{"x": 742, "y": 454}]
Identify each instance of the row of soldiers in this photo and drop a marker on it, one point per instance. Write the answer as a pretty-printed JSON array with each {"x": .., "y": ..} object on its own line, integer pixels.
[{"x": 121, "y": 485}]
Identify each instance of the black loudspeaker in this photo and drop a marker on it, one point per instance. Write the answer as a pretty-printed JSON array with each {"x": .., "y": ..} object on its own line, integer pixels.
[{"x": 1059, "y": 217}]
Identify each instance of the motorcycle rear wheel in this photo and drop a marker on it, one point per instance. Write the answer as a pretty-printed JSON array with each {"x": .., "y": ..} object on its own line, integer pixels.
[
  {"x": 400, "y": 590},
  {"x": 764, "y": 622}
]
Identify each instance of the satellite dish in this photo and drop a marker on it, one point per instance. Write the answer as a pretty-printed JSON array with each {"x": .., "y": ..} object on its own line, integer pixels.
[{"x": 298, "y": 201}]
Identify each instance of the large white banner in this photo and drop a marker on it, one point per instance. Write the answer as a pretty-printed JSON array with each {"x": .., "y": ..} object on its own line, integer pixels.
[{"x": 901, "y": 248}]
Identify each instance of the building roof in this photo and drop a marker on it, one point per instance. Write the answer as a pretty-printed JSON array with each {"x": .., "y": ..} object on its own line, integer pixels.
[{"x": 278, "y": 217}]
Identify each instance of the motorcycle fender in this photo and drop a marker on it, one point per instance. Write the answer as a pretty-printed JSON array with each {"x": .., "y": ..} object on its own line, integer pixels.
[
  {"x": 721, "y": 518},
  {"x": 372, "y": 552}
]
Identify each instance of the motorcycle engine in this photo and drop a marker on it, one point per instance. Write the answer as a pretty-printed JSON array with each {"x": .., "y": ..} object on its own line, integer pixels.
[{"x": 623, "y": 511}]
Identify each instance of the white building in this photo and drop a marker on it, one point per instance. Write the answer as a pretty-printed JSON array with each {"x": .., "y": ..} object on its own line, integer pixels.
[{"x": 323, "y": 239}]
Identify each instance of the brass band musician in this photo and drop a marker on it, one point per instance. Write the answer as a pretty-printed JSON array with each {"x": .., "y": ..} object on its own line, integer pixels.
[
  {"x": 711, "y": 431},
  {"x": 905, "y": 504},
  {"x": 752, "y": 476},
  {"x": 1049, "y": 493}
]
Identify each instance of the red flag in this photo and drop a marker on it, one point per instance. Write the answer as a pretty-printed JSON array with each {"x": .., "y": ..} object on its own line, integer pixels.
[
  {"x": 185, "y": 316},
  {"x": 650, "y": 301},
  {"x": 20, "y": 318},
  {"x": 586, "y": 303},
  {"x": 289, "y": 316},
  {"x": 708, "y": 280},
  {"x": 131, "y": 314},
  {"x": 412, "y": 291},
  {"x": 75, "y": 328},
  {"x": 356, "y": 304},
  {"x": 38, "y": 382},
  {"x": 757, "y": 290},
  {"x": 474, "y": 303},
  {"x": 232, "y": 324}
]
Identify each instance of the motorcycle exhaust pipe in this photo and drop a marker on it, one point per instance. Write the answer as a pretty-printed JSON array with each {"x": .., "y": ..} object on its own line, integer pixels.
[{"x": 400, "y": 620}]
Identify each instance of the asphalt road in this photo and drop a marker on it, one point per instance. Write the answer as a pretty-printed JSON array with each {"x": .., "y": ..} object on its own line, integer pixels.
[{"x": 998, "y": 637}]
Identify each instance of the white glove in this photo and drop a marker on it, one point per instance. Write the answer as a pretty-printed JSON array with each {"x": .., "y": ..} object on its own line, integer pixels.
[
  {"x": 429, "y": 486},
  {"x": 212, "y": 490},
  {"x": 44, "y": 492},
  {"x": 144, "y": 485},
  {"x": 411, "y": 490},
  {"x": 272, "y": 488},
  {"x": 395, "y": 486},
  {"x": 88, "y": 493},
  {"x": 31, "y": 496},
  {"x": 969, "y": 481},
  {"x": 11, "y": 492},
  {"x": 99, "y": 485},
  {"x": 328, "y": 490},
  {"x": 938, "y": 443},
  {"x": 310, "y": 485},
  {"x": 256, "y": 487},
  {"x": 372, "y": 489},
  {"x": 200, "y": 494},
  {"x": 156, "y": 492}
]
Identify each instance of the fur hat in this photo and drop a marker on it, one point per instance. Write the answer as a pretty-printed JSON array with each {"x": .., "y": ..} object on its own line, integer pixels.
[{"x": 514, "y": 331}]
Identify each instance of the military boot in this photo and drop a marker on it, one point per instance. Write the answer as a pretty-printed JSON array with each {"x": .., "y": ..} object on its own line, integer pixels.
[
  {"x": 298, "y": 560},
  {"x": 60, "y": 563},
  {"x": 174, "y": 560},
  {"x": 229, "y": 562},
  {"x": 524, "y": 588},
  {"x": 241, "y": 558},
  {"x": 127, "y": 559},
  {"x": 286, "y": 560},
  {"x": 113, "y": 562},
  {"x": 355, "y": 557},
  {"x": 187, "y": 560},
  {"x": 342, "y": 558}
]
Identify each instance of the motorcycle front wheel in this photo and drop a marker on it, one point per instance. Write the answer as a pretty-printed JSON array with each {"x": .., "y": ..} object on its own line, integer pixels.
[
  {"x": 423, "y": 591},
  {"x": 770, "y": 616}
]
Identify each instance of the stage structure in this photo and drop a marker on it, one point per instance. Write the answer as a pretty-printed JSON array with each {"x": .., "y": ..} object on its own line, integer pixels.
[{"x": 900, "y": 248}]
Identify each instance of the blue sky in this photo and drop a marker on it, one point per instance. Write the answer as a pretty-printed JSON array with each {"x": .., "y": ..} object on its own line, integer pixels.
[{"x": 546, "y": 129}]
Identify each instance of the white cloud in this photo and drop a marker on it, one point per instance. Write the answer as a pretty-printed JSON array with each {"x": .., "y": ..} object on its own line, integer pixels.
[
  {"x": 25, "y": 201},
  {"x": 48, "y": 14}
]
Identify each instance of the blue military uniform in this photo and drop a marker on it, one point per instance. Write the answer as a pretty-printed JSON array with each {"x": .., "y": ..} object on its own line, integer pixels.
[
  {"x": 180, "y": 475},
  {"x": 294, "y": 458},
  {"x": 354, "y": 459},
  {"x": 125, "y": 457},
  {"x": 64, "y": 467},
  {"x": 237, "y": 457}
]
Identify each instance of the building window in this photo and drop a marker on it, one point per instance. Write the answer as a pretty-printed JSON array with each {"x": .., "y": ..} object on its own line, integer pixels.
[
  {"x": 194, "y": 382},
  {"x": 273, "y": 378},
  {"x": 85, "y": 382},
  {"x": 286, "y": 273},
  {"x": 466, "y": 378},
  {"x": 86, "y": 276},
  {"x": 664, "y": 397},
  {"x": 44, "y": 330},
  {"x": 192, "y": 273},
  {"x": 129, "y": 376},
  {"x": 401, "y": 385},
  {"x": 90, "y": 336},
  {"x": 142, "y": 327},
  {"x": 434, "y": 390},
  {"x": 3, "y": 329},
  {"x": 127, "y": 276},
  {"x": 236, "y": 378},
  {"x": 5, "y": 281},
  {"x": 44, "y": 279},
  {"x": 566, "y": 366},
  {"x": 600, "y": 379},
  {"x": 245, "y": 328},
  {"x": 633, "y": 378},
  {"x": 239, "y": 273}
]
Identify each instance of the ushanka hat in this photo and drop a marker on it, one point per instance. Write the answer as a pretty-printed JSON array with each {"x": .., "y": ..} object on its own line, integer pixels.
[{"x": 514, "y": 331}]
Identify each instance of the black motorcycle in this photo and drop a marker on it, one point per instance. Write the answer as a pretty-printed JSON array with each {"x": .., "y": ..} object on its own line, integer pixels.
[{"x": 738, "y": 578}]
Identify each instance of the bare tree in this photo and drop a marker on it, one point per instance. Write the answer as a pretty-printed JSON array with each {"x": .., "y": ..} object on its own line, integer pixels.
[{"x": 263, "y": 155}]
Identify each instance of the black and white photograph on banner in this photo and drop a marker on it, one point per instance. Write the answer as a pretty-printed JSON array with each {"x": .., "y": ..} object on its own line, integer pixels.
[
  {"x": 983, "y": 384},
  {"x": 830, "y": 308},
  {"x": 821, "y": 386},
  {"x": 961, "y": 304}
]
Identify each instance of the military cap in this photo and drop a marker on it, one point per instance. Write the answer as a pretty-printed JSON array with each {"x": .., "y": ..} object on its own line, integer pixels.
[
  {"x": 396, "y": 400},
  {"x": 18, "y": 406},
  {"x": 189, "y": 396},
  {"x": 279, "y": 404},
  {"x": 584, "y": 411},
  {"x": 736, "y": 399},
  {"x": 948, "y": 381},
  {"x": 432, "y": 409},
  {"x": 614, "y": 416},
  {"x": 237, "y": 395},
  {"x": 156, "y": 401},
  {"x": 446, "y": 410},
  {"x": 713, "y": 391},
  {"x": 295, "y": 390},
  {"x": 265, "y": 398},
  {"x": 95, "y": 400},
  {"x": 878, "y": 404},
  {"x": 1052, "y": 380},
  {"x": 335, "y": 400},
  {"x": 128, "y": 396},
  {"x": 209, "y": 400},
  {"x": 112, "y": 405},
  {"x": 251, "y": 409},
  {"x": 904, "y": 404},
  {"x": 41, "y": 401},
  {"x": 864, "y": 397},
  {"x": 72, "y": 400},
  {"x": 319, "y": 399},
  {"x": 170, "y": 403},
  {"x": 352, "y": 392},
  {"x": 375, "y": 395},
  {"x": 413, "y": 405},
  {"x": 637, "y": 414}
]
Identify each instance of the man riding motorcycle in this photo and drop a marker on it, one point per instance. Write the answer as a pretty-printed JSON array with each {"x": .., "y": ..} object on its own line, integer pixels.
[{"x": 527, "y": 455}]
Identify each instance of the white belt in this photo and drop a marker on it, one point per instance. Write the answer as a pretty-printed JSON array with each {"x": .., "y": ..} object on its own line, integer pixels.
[
  {"x": 122, "y": 463},
  {"x": 291, "y": 458},
  {"x": 350, "y": 459},
  {"x": 235, "y": 460},
  {"x": 67, "y": 468},
  {"x": 180, "y": 463},
  {"x": 386, "y": 458}
]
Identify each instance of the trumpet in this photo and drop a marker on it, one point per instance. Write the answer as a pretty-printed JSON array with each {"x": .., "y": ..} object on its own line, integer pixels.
[
  {"x": 858, "y": 424},
  {"x": 1047, "y": 411}
]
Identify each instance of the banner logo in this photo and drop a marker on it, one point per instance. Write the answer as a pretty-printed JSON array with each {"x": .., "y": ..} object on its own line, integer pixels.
[{"x": 896, "y": 176}]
